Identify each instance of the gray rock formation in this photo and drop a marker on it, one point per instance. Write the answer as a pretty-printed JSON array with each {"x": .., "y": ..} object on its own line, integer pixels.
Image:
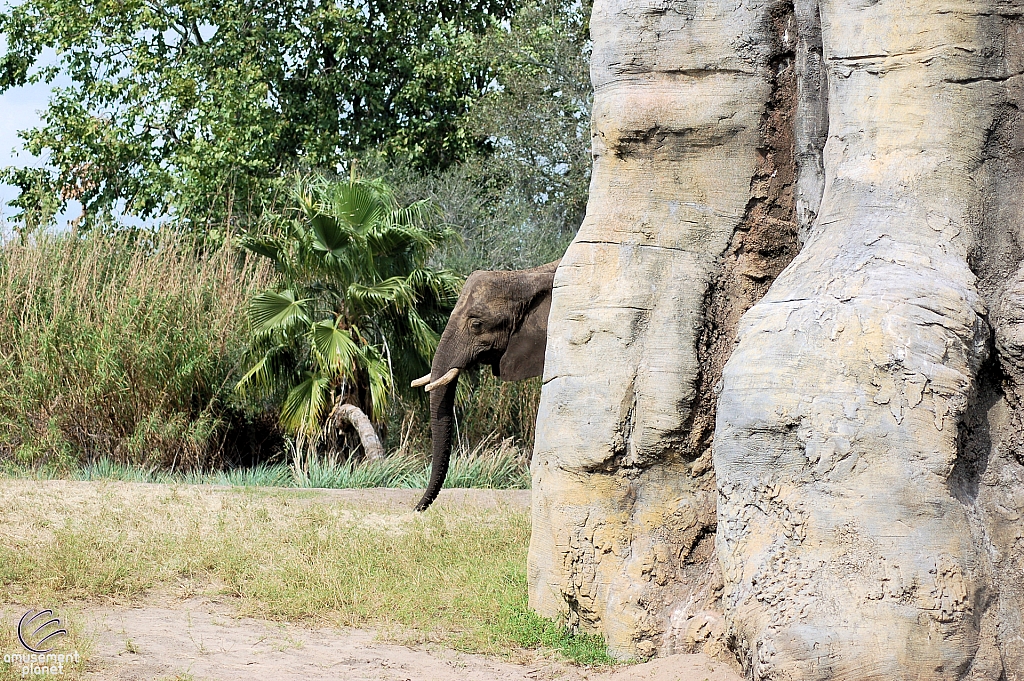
[
  {"x": 866, "y": 496},
  {"x": 690, "y": 218},
  {"x": 852, "y": 535}
]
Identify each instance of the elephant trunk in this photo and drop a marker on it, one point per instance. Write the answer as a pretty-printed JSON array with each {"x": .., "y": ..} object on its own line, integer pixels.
[{"x": 442, "y": 413}]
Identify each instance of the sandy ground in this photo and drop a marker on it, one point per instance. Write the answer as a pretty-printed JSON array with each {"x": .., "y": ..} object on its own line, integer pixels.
[
  {"x": 171, "y": 637},
  {"x": 201, "y": 639}
]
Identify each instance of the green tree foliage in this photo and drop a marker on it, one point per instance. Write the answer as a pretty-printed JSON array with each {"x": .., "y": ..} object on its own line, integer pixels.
[
  {"x": 358, "y": 308},
  {"x": 538, "y": 118},
  {"x": 521, "y": 203},
  {"x": 192, "y": 106}
]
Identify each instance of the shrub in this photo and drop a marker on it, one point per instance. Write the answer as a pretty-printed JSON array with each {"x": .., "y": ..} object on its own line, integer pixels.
[
  {"x": 122, "y": 345},
  {"x": 357, "y": 307}
]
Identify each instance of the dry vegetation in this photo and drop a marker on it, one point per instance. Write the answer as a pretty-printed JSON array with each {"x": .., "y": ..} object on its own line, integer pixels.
[
  {"x": 290, "y": 555},
  {"x": 119, "y": 346}
]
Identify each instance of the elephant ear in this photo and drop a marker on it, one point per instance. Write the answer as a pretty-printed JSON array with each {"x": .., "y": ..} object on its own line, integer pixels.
[{"x": 524, "y": 355}]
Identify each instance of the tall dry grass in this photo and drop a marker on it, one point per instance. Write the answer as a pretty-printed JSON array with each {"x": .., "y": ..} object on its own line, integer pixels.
[
  {"x": 123, "y": 345},
  {"x": 501, "y": 410}
]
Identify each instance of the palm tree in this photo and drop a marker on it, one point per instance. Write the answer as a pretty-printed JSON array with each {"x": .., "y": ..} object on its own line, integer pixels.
[{"x": 357, "y": 310}]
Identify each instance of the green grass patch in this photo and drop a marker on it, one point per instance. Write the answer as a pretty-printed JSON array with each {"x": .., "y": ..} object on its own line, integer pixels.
[
  {"x": 455, "y": 575},
  {"x": 502, "y": 467},
  {"x": 526, "y": 629}
]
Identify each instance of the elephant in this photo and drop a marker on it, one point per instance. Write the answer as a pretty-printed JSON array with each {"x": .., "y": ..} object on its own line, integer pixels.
[{"x": 500, "y": 319}]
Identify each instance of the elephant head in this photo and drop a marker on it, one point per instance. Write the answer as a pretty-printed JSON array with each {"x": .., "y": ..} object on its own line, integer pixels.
[{"x": 500, "y": 319}]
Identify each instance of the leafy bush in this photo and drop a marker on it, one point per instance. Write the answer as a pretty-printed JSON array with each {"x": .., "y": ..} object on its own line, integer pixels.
[
  {"x": 357, "y": 307},
  {"x": 122, "y": 346}
]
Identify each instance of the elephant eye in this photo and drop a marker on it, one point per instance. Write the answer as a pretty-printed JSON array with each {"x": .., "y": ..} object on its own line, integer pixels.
[{"x": 476, "y": 326}]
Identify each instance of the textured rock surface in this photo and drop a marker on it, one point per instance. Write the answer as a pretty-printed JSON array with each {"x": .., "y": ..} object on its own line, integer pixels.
[
  {"x": 864, "y": 515},
  {"x": 868, "y": 512},
  {"x": 690, "y": 217}
]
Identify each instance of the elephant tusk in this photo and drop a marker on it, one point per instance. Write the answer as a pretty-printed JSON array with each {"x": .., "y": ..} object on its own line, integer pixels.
[
  {"x": 444, "y": 380},
  {"x": 420, "y": 381}
]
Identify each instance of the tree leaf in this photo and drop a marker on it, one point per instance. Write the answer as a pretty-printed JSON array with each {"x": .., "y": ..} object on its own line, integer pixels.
[
  {"x": 381, "y": 381},
  {"x": 392, "y": 292},
  {"x": 357, "y": 204},
  {"x": 303, "y": 408},
  {"x": 330, "y": 235},
  {"x": 268, "y": 247},
  {"x": 272, "y": 311},
  {"x": 335, "y": 349}
]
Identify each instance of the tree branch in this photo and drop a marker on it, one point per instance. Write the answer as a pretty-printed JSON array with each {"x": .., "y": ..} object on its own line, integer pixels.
[{"x": 355, "y": 417}]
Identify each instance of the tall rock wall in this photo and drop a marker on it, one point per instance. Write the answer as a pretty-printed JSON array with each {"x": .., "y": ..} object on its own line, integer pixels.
[
  {"x": 852, "y": 532},
  {"x": 690, "y": 217},
  {"x": 858, "y": 512}
]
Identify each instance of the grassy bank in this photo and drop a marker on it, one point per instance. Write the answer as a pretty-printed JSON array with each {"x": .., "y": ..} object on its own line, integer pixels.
[
  {"x": 455, "y": 575},
  {"x": 502, "y": 466}
]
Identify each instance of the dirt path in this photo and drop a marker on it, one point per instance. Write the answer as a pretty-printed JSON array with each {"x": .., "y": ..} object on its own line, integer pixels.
[
  {"x": 200, "y": 639},
  {"x": 194, "y": 634}
]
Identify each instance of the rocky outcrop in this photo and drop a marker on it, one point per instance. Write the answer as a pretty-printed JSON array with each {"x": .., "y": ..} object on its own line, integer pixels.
[
  {"x": 851, "y": 534},
  {"x": 857, "y": 513},
  {"x": 689, "y": 220}
]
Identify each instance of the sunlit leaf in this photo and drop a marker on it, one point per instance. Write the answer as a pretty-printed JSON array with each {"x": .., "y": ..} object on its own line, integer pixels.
[
  {"x": 424, "y": 338},
  {"x": 357, "y": 205},
  {"x": 334, "y": 347},
  {"x": 272, "y": 310}
]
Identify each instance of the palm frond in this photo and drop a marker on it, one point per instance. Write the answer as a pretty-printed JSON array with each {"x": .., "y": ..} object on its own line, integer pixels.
[
  {"x": 382, "y": 190},
  {"x": 258, "y": 375},
  {"x": 303, "y": 408},
  {"x": 272, "y": 311},
  {"x": 420, "y": 215},
  {"x": 330, "y": 235},
  {"x": 356, "y": 204},
  {"x": 274, "y": 365},
  {"x": 386, "y": 239},
  {"x": 266, "y": 246},
  {"x": 424, "y": 338},
  {"x": 335, "y": 349},
  {"x": 393, "y": 292},
  {"x": 359, "y": 301},
  {"x": 442, "y": 286},
  {"x": 381, "y": 381}
]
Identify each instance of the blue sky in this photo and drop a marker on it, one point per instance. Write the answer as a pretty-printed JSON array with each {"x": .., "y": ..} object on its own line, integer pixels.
[{"x": 19, "y": 110}]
